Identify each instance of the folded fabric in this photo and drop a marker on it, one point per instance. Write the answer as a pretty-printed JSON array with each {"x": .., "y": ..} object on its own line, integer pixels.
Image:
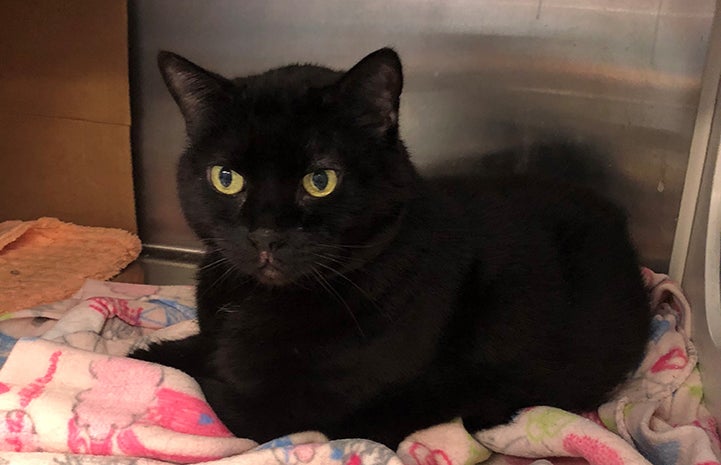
[
  {"x": 47, "y": 260},
  {"x": 62, "y": 404}
]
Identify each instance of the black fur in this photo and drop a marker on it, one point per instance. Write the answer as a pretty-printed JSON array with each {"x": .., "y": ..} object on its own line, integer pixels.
[{"x": 397, "y": 302}]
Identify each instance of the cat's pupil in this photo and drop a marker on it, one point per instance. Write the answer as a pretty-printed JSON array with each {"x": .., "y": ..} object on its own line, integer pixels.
[
  {"x": 225, "y": 177},
  {"x": 320, "y": 180}
]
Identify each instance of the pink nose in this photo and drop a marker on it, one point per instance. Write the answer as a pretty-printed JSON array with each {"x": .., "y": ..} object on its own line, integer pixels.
[{"x": 265, "y": 257}]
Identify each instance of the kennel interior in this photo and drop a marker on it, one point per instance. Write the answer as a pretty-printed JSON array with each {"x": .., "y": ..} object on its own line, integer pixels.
[{"x": 634, "y": 82}]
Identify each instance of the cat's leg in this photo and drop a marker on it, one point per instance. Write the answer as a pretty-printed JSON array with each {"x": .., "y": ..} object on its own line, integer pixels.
[
  {"x": 188, "y": 355},
  {"x": 261, "y": 418},
  {"x": 231, "y": 407},
  {"x": 388, "y": 424},
  {"x": 398, "y": 416}
]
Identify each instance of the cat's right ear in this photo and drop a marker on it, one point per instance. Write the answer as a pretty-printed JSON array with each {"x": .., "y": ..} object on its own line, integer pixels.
[
  {"x": 200, "y": 94},
  {"x": 372, "y": 89}
]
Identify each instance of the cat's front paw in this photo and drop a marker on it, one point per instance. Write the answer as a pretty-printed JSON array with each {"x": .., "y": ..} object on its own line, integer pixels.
[{"x": 188, "y": 355}]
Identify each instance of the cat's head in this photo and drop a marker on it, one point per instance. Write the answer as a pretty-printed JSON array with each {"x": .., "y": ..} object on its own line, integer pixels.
[{"x": 295, "y": 174}]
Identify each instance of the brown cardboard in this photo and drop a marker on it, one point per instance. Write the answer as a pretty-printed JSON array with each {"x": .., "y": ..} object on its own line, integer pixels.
[
  {"x": 65, "y": 58},
  {"x": 65, "y": 112},
  {"x": 77, "y": 171}
]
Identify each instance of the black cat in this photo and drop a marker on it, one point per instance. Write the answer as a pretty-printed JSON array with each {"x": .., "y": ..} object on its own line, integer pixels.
[{"x": 342, "y": 292}]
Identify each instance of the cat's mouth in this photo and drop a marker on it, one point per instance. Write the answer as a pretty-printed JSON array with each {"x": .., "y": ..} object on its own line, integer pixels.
[
  {"x": 268, "y": 272},
  {"x": 271, "y": 275}
]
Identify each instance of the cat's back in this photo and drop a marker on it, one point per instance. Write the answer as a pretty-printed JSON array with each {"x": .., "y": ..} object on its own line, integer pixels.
[
  {"x": 525, "y": 197},
  {"x": 523, "y": 230},
  {"x": 513, "y": 213},
  {"x": 555, "y": 271}
]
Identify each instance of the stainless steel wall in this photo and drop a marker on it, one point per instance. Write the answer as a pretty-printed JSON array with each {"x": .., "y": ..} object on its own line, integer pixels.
[{"x": 481, "y": 75}]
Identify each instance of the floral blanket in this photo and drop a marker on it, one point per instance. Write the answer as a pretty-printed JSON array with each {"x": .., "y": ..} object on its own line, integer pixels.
[{"x": 68, "y": 395}]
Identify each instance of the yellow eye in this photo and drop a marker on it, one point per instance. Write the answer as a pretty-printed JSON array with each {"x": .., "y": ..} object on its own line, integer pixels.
[
  {"x": 225, "y": 180},
  {"x": 320, "y": 183}
]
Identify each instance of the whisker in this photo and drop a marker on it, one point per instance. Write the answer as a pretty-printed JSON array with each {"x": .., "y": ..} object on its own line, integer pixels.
[
  {"x": 350, "y": 246},
  {"x": 360, "y": 289},
  {"x": 231, "y": 270},
  {"x": 330, "y": 258},
  {"x": 299, "y": 282},
  {"x": 341, "y": 259},
  {"x": 214, "y": 263},
  {"x": 329, "y": 288}
]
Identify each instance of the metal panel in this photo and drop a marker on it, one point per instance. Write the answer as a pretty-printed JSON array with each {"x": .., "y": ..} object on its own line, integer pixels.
[
  {"x": 481, "y": 75},
  {"x": 696, "y": 257}
]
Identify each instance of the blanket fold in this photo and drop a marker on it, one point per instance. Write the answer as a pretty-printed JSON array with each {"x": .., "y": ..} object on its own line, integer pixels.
[{"x": 69, "y": 396}]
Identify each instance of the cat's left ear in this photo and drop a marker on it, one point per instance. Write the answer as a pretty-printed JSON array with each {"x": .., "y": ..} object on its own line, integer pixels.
[{"x": 373, "y": 89}]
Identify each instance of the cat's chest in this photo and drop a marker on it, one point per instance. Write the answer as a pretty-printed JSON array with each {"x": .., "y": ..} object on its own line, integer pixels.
[
  {"x": 306, "y": 331},
  {"x": 321, "y": 345}
]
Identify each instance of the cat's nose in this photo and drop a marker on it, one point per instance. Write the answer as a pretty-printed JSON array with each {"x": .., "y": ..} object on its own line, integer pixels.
[{"x": 265, "y": 239}]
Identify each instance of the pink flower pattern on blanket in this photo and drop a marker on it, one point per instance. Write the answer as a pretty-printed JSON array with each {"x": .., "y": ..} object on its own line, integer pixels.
[
  {"x": 424, "y": 456},
  {"x": 17, "y": 428},
  {"x": 134, "y": 390},
  {"x": 18, "y": 432},
  {"x": 130, "y": 386},
  {"x": 129, "y": 443},
  {"x": 295, "y": 455},
  {"x": 674, "y": 359},
  {"x": 592, "y": 449},
  {"x": 185, "y": 414},
  {"x": 110, "y": 306},
  {"x": 34, "y": 389},
  {"x": 711, "y": 427}
]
